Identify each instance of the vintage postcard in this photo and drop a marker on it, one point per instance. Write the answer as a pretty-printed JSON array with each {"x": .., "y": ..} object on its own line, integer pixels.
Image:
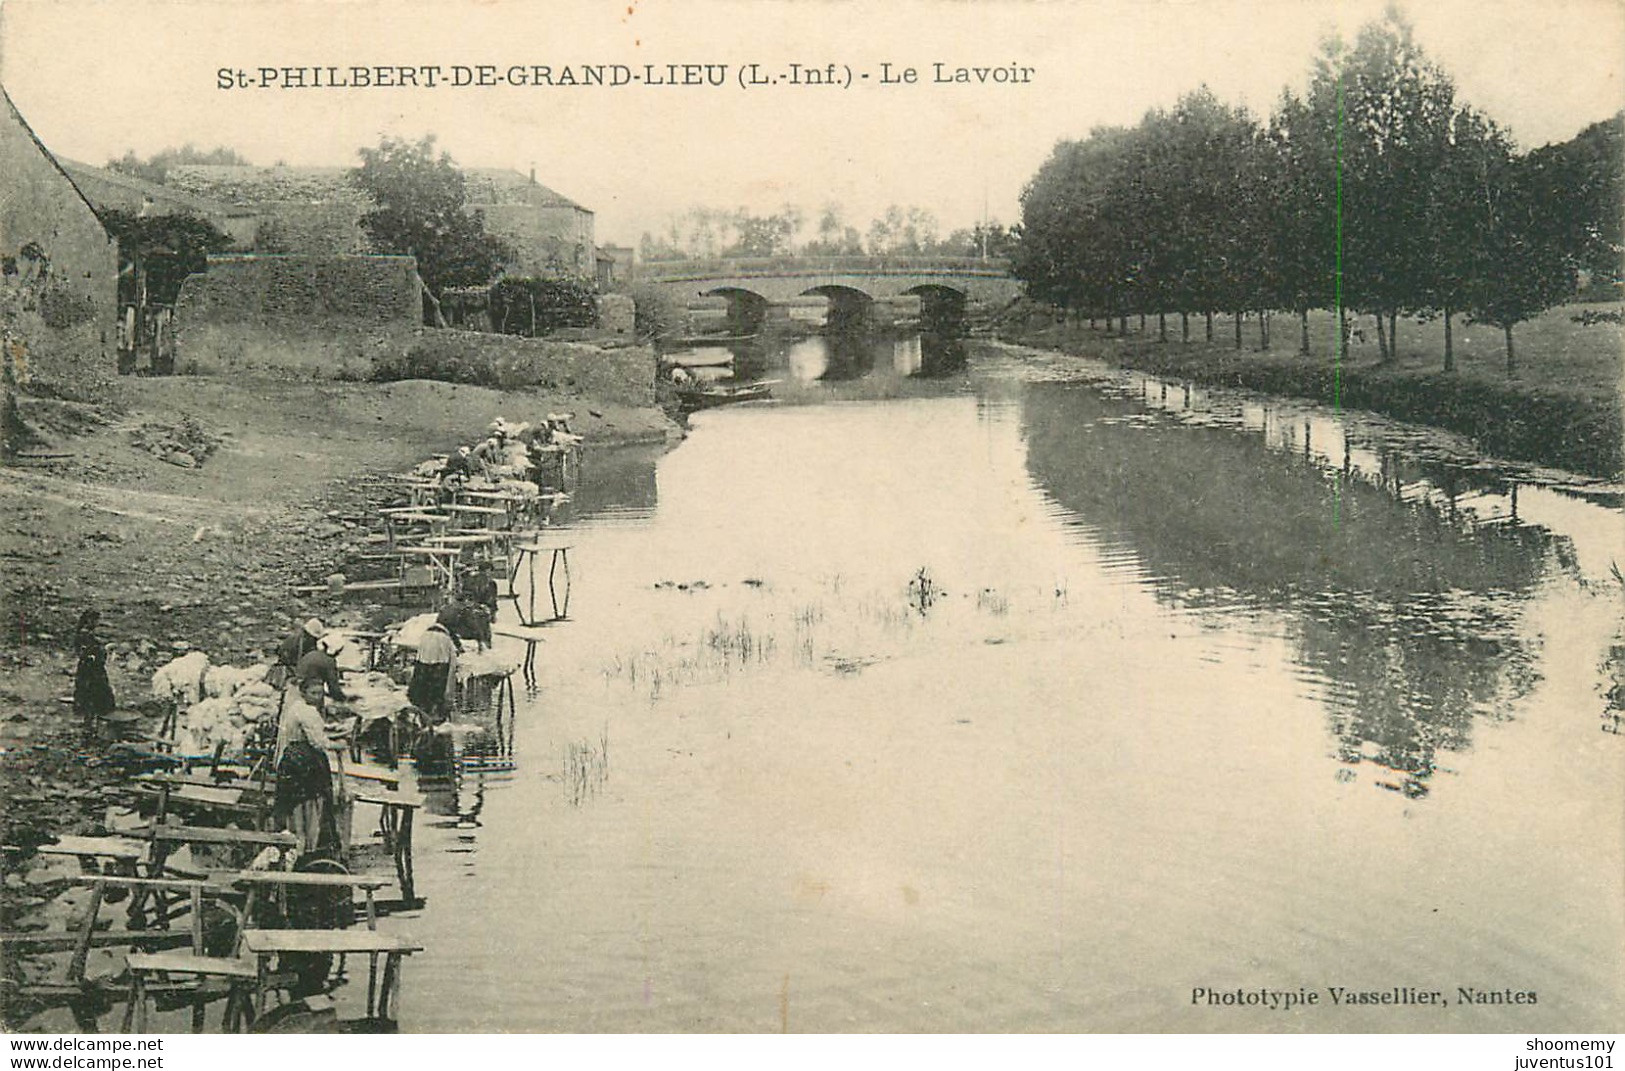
[{"x": 1088, "y": 517}]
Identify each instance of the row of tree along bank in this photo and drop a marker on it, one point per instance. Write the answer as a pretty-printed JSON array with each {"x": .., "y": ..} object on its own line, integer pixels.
[
  {"x": 1570, "y": 419},
  {"x": 1375, "y": 193}
]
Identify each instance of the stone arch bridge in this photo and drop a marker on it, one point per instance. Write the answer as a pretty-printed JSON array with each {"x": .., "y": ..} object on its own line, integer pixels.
[{"x": 762, "y": 288}]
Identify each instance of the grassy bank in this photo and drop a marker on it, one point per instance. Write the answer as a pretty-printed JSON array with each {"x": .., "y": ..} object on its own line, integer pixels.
[{"x": 1562, "y": 409}]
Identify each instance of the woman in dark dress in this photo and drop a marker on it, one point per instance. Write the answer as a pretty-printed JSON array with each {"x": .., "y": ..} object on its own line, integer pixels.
[{"x": 92, "y": 694}]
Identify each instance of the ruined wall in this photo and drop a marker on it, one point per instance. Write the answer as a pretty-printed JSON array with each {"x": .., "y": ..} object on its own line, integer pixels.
[
  {"x": 308, "y": 316},
  {"x": 617, "y": 373},
  {"x": 58, "y": 272}
]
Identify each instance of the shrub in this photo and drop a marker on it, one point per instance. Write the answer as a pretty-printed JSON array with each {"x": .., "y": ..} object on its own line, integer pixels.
[
  {"x": 656, "y": 313},
  {"x": 532, "y": 306}
]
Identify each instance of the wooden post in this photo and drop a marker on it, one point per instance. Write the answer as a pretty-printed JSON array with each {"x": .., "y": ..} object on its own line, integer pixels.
[
  {"x": 197, "y": 920},
  {"x": 1449, "y": 343},
  {"x": 81, "y": 949}
]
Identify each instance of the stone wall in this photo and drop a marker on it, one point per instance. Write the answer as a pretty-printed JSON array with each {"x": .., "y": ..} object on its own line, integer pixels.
[
  {"x": 611, "y": 373},
  {"x": 360, "y": 318},
  {"x": 58, "y": 272},
  {"x": 374, "y": 290},
  {"x": 308, "y": 316},
  {"x": 285, "y": 227}
]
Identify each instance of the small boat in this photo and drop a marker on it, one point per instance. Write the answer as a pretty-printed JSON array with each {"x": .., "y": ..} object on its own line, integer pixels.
[
  {"x": 692, "y": 398},
  {"x": 714, "y": 358}
]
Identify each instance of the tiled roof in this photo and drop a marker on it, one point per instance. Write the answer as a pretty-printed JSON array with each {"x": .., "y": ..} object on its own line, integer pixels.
[
  {"x": 314, "y": 185},
  {"x": 504, "y": 186},
  {"x": 240, "y": 185},
  {"x": 110, "y": 189}
]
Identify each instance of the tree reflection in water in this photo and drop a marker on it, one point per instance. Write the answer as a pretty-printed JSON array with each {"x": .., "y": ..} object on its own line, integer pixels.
[{"x": 1413, "y": 620}]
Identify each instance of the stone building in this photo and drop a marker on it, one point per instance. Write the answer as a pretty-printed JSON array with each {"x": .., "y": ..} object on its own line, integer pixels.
[
  {"x": 106, "y": 189},
  {"x": 549, "y": 232},
  {"x": 58, "y": 270},
  {"x": 308, "y": 210},
  {"x": 617, "y": 266},
  {"x": 316, "y": 211}
]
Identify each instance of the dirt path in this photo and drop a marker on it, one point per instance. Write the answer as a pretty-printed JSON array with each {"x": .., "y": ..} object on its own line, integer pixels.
[{"x": 197, "y": 557}]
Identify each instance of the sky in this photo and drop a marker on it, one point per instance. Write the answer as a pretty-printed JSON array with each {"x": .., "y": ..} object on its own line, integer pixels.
[{"x": 97, "y": 77}]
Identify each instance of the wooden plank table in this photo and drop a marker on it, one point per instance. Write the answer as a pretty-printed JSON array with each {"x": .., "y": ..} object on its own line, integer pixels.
[
  {"x": 383, "y": 1000},
  {"x": 144, "y": 967},
  {"x": 395, "y": 820},
  {"x": 257, "y": 882},
  {"x": 211, "y": 801},
  {"x": 560, "y": 453},
  {"x": 525, "y": 555},
  {"x": 84, "y": 998},
  {"x": 117, "y": 849},
  {"x": 167, "y": 838},
  {"x": 478, "y": 547},
  {"x": 413, "y": 513},
  {"x": 400, "y": 520},
  {"x": 520, "y": 508},
  {"x": 465, "y": 539},
  {"x": 531, "y": 634},
  {"x": 193, "y": 891},
  {"x": 442, "y": 562},
  {"x": 473, "y": 507},
  {"x": 389, "y": 780},
  {"x": 493, "y": 498}
]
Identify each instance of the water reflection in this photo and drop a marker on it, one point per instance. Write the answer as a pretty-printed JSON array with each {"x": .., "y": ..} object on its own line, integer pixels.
[
  {"x": 616, "y": 481},
  {"x": 1410, "y": 621},
  {"x": 932, "y": 702},
  {"x": 872, "y": 358}
]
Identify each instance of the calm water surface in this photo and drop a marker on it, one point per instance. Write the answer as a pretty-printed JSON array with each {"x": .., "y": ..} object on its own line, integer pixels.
[{"x": 934, "y": 697}]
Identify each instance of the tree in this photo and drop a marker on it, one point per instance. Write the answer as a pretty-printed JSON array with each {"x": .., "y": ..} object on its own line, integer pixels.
[
  {"x": 1074, "y": 249},
  {"x": 165, "y": 249},
  {"x": 1208, "y": 206},
  {"x": 421, "y": 212},
  {"x": 1461, "y": 214},
  {"x": 902, "y": 231},
  {"x": 651, "y": 247},
  {"x": 1303, "y": 225},
  {"x": 1582, "y": 181},
  {"x": 1524, "y": 269},
  {"x": 1393, "y": 111},
  {"x": 765, "y": 236},
  {"x": 156, "y": 167},
  {"x": 991, "y": 239}
]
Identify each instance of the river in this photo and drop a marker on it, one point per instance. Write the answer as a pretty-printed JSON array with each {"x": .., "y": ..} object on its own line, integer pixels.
[{"x": 947, "y": 694}]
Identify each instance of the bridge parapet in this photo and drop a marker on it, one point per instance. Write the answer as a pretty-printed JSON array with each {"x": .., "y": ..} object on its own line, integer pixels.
[{"x": 795, "y": 266}]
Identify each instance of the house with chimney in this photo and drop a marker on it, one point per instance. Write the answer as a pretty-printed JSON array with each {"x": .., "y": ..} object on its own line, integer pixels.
[{"x": 317, "y": 211}]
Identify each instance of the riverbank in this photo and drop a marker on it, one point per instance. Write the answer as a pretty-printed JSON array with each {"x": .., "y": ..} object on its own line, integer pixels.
[
  {"x": 201, "y": 552},
  {"x": 1562, "y": 411}
]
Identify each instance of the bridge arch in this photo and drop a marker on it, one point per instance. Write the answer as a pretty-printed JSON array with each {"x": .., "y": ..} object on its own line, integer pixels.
[
  {"x": 848, "y": 306},
  {"x": 942, "y": 307},
  {"x": 747, "y": 310},
  {"x": 895, "y": 284}
]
